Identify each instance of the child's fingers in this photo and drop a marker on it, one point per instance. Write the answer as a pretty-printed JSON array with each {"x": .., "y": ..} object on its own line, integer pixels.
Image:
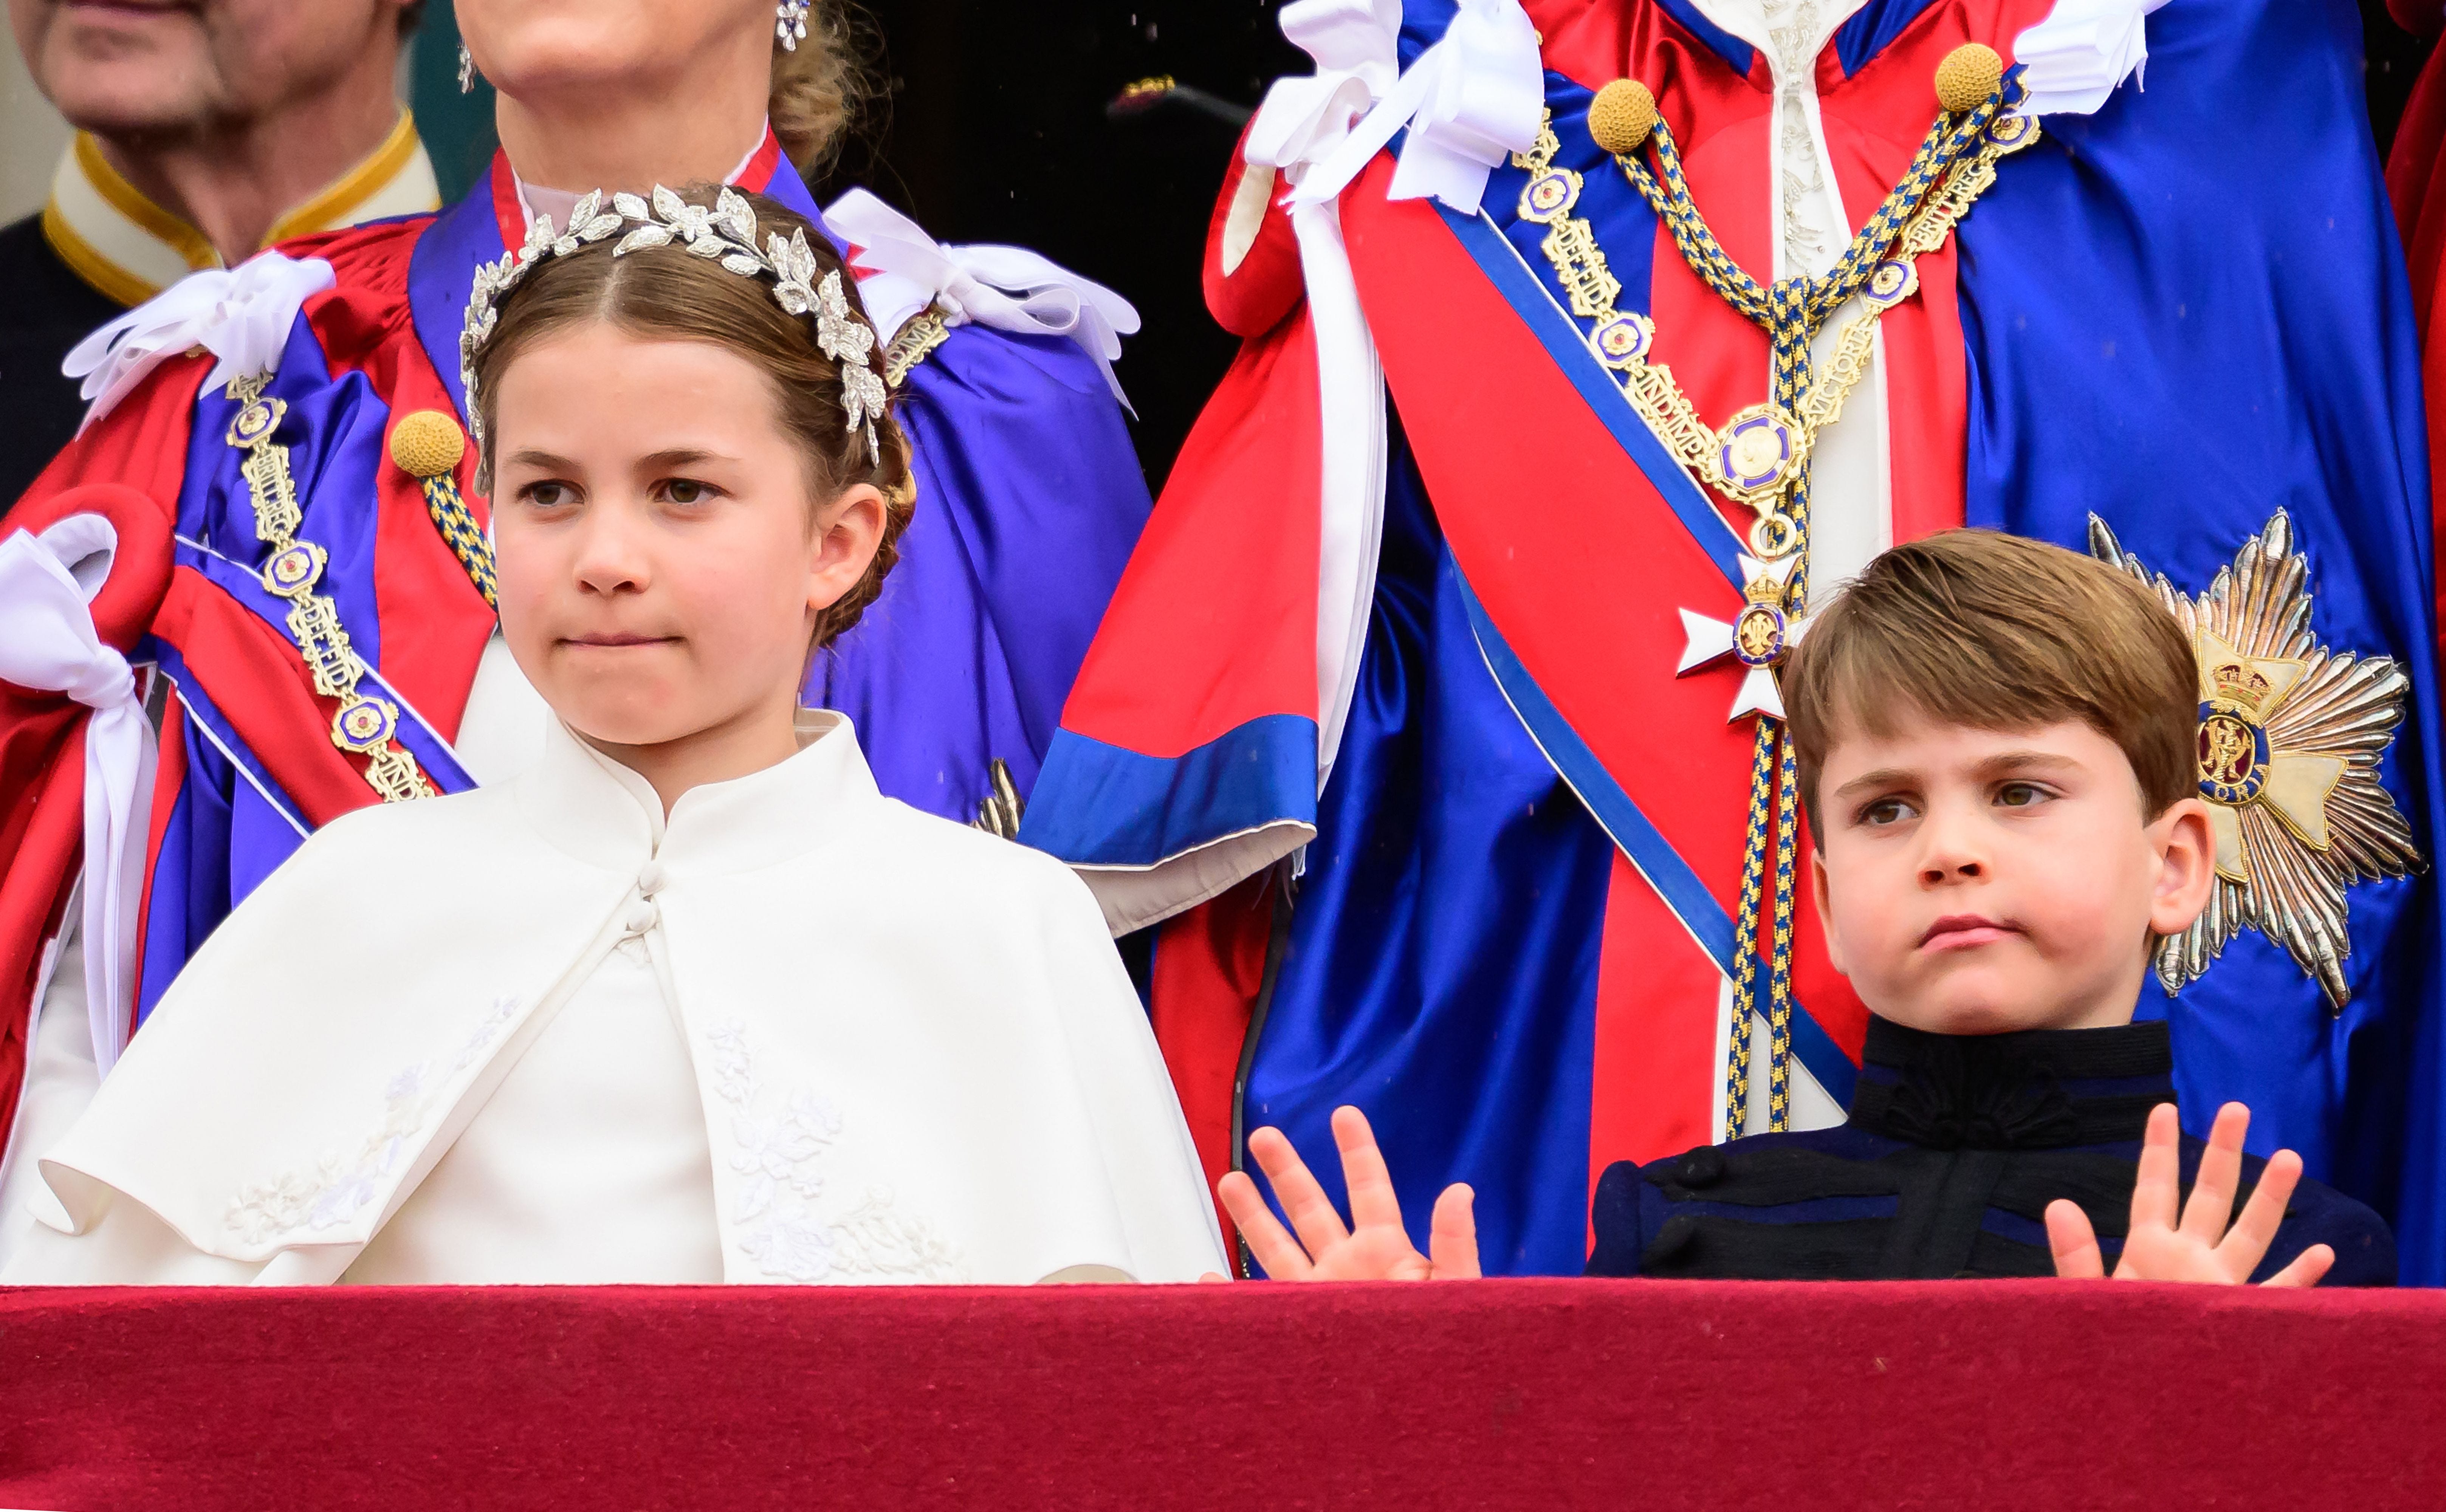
[
  {"x": 1451, "y": 1236},
  {"x": 1268, "y": 1239},
  {"x": 1373, "y": 1203},
  {"x": 2158, "y": 1191},
  {"x": 2074, "y": 1242},
  {"x": 2211, "y": 1209},
  {"x": 2306, "y": 1270},
  {"x": 1304, "y": 1201},
  {"x": 2256, "y": 1228}
]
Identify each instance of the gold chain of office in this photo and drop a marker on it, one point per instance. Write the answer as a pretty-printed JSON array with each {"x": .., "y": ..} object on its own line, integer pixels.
[
  {"x": 364, "y": 724},
  {"x": 1761, "y": 455},
  {"x": 1760, "y": 458}
]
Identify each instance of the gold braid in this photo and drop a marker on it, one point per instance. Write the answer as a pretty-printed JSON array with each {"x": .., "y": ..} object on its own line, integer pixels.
[{"x": 1760, "y": 457}]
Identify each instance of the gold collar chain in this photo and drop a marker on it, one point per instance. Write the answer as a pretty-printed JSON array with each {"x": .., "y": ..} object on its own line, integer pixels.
[
  {"x": 919, "y": 335},
  {"x": 1760, "y": 458},
  {"x": 365, "y": 725},
  {"x": 1758, "y": 455}
]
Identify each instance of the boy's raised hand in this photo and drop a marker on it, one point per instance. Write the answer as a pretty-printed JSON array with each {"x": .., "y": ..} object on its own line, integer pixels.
[
  {"x": 2198, "y": 1248},
  {"x": 1375, "y": 1247}
]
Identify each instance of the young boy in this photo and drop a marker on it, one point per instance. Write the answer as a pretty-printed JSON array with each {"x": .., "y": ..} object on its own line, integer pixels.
[{"x": 1997, "y": 742}]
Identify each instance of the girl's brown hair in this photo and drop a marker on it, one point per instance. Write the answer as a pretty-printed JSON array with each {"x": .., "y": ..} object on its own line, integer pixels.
[{"x": 666, "y": 293}]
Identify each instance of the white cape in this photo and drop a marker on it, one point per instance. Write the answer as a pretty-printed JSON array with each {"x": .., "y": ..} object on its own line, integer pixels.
[{"x": 917, "y": 1054}]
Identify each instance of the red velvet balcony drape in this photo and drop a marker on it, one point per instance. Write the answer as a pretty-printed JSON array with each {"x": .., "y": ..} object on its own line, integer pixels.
[{"x": 1500, "y": 1393}]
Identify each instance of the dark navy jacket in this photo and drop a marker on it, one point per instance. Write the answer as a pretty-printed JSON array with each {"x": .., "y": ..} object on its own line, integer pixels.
[{"x": 1955, "y": 1147}]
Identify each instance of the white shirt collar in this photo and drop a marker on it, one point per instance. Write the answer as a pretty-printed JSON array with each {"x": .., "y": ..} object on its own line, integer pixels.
[
  {"x": 535, "y": 199},
  {"x": 1803, "y": 24},
  {"x": 131, "y": 249}
]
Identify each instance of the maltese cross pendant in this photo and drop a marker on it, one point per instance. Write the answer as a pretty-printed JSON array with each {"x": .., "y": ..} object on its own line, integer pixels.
[{"x": 1757, "y": 638}]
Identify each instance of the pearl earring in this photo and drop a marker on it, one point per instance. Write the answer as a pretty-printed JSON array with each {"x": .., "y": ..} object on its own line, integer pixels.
[{"x": 790, "y": 24}]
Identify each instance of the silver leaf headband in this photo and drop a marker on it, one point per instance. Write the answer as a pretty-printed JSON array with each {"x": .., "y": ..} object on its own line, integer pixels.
[{"x": 726, "y": 233}]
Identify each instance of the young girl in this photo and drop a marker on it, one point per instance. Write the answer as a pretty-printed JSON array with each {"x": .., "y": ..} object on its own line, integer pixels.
[
  {"x": 956, "y": 677},
  {"x": 689, "y": 1001}
]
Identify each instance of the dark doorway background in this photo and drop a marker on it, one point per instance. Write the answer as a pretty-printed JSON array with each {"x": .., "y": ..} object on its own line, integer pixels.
[
  {"x": 996, "y": 130},
  {"x": 993, "y": 126},
  {"x": 2392, "y": 60}
]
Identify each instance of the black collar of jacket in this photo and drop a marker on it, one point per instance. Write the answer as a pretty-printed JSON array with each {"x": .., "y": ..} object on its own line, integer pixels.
[{"x": 2028, "y": 1090}]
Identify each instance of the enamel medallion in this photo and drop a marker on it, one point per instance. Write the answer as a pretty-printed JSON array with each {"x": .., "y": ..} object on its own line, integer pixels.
[{"x": 1758, "y": 637}]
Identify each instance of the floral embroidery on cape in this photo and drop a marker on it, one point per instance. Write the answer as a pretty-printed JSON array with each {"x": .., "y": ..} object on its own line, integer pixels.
[
  {"x": 337, "y": 1187},
  {"x": 780, "y": 1140}
]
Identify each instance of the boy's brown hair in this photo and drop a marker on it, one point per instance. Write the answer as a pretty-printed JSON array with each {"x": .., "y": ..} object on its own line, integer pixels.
[{"x": 1996, "y": 632}]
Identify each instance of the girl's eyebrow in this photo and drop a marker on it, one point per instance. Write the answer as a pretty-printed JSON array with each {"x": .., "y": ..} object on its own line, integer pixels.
[
  {"x": 530, "y": 457},
  {"x": 679, "y": 457}
]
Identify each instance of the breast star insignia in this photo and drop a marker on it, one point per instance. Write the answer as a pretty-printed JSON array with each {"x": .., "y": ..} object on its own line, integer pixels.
[
  {"x": 2290, "y": 737},
  {"x": 1759, "y": 637}
]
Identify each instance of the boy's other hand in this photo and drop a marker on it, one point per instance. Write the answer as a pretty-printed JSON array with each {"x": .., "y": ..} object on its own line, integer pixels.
[
  {"x": 2198, "y": 1248},
  {"x": 1375, "y": 1247}
]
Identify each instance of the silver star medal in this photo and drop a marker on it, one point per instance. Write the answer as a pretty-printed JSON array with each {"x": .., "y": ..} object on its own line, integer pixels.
[{"x": 2290, "y": 737}]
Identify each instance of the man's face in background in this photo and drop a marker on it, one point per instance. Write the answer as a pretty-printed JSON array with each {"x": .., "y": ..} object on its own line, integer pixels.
[{"x": 133, "y": 68}]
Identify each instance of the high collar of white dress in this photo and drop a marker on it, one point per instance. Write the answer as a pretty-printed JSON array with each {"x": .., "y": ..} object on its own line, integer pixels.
[{"x": 598, "y": 811}]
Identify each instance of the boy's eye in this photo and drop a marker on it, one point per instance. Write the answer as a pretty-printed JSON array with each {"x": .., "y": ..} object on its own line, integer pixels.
[
  {"x": 2019, "y": 794},
  {"x": 1884, "y": 811}
]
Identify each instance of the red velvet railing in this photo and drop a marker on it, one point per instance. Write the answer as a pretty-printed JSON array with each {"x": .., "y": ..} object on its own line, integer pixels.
[{"x": 1525, "y": 1394}]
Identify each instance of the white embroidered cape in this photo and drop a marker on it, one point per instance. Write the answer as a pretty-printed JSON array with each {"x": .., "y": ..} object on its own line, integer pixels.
[{"x": 918, "y": 1057}]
